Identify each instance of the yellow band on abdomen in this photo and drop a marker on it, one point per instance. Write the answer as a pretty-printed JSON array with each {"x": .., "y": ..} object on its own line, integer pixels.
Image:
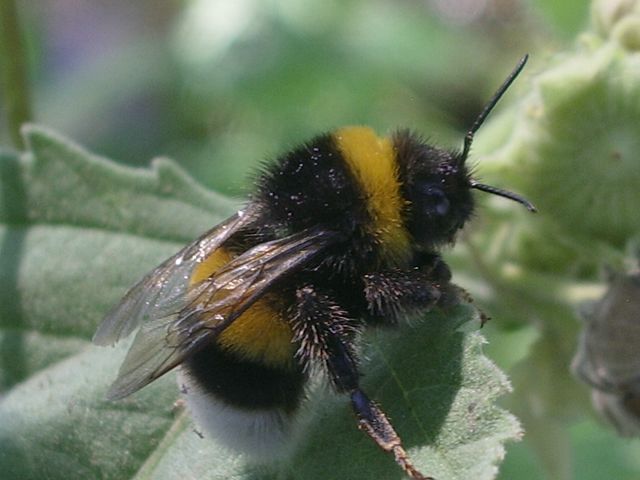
[{"x": 260, "y": 333}]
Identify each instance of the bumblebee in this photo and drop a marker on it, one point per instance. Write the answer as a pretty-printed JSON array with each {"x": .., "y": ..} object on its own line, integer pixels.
[{"x": 340, "y": 234}]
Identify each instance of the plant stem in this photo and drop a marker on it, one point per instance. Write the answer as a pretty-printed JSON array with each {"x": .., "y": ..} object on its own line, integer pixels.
[{"x": 15, "y": 84}]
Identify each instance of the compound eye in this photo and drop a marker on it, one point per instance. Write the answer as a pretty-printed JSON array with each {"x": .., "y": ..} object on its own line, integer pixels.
[{"x": 436, "y": 201}]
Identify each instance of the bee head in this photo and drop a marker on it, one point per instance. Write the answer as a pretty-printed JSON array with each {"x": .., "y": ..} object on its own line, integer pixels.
[
  {"x": 436, "y": 187},
  {"x": 437, "y": 183}
]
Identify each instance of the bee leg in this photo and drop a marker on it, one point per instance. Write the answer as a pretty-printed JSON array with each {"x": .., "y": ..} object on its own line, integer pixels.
[
  {"x": 439, "y": 274},
  {"x": 375, "y": 423},
  {"x": 396, "y": 294},
  {"x": 450, "y": 294},
  {"x": 462, "y": 294},
  {"x": 325, "y": 333}
]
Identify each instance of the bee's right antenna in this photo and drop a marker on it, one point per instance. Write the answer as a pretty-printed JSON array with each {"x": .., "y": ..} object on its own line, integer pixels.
[
  {"x": 504, "y": 193},
  {"x": 468, "y": 138}
]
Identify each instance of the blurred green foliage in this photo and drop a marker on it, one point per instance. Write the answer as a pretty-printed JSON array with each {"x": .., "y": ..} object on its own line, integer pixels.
[{"x": 221, "y": 85}]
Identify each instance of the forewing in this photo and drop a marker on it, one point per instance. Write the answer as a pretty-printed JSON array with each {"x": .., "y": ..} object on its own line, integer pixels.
[
  {"x": 153, "y": 352},
  {"x": 217, "y": 301},
  {"x": 164, "y": 288},
  {"x": 212, "y": 305}
]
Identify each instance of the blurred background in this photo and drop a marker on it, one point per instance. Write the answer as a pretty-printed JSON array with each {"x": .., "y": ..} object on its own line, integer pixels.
[
  {"x": 221, "y": 85},
  {"x": 218, "y": 85}
]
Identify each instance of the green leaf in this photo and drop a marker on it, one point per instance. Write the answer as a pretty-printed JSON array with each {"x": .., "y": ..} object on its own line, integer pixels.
[
  {"x": 75, "y": 231},
  {"x": 86, "y": 228}
]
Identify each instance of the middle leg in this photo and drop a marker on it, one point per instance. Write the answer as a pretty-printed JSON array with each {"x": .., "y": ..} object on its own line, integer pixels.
[{"x": 325, "y": 335}]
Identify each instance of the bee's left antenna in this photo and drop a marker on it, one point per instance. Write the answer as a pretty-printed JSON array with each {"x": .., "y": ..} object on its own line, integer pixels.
[{"x": 468, "y": 138}]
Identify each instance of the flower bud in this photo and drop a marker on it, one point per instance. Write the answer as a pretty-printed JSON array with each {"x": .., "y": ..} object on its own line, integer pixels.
[
  {"x": 618, "y": 20},
  {"x": 574, "y": 151},
  {"x": 608, "y": 357}
]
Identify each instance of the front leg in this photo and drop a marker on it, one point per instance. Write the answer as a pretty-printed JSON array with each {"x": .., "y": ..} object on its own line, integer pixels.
[
  {"x": 395, "y": 294},
  {"x": 325, "y": 335}
]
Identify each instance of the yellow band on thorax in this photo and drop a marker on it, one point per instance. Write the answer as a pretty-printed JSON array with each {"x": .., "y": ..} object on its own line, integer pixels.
[{"x": 372, "y": 161}]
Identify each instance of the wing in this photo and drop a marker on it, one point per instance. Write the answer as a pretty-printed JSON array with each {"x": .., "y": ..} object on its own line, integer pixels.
[
  {"x": 210, "y": 306},
  {"x": 163, "y": 288}
]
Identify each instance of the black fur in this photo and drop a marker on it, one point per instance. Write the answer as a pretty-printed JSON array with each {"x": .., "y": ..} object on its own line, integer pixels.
[
  {"x": 246, "y": 384},
  {"x": 435, "y": 182},
  {"x": 310, "y": 186}
]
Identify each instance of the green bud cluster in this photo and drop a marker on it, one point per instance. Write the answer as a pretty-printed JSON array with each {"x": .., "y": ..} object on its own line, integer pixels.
[{"x": 573, "y": 147}]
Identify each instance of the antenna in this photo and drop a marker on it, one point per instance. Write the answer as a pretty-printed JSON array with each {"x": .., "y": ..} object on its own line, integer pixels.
[
  {"x": 468, "y": 138},
  {"x": 504, "y": 193}
]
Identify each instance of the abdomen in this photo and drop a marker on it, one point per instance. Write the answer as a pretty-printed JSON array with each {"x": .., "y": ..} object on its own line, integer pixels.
[
  {"x": 245, "y": 388},
  {"x": 244, "y": 405}
]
